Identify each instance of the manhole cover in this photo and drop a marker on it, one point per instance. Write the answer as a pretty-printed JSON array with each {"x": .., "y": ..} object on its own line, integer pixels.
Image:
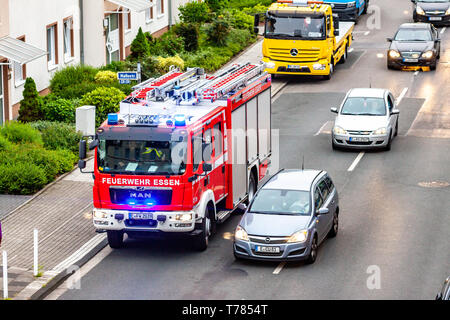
[{"x": 434, "y": 184}]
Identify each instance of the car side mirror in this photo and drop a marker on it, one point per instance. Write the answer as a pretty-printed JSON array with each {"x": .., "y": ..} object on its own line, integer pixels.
[
  {"x": 242, "y": 206},
  {"x": 389, "y": 39},
  {"x": 334, "y": 110},
  {"x": 395, "y": 111},
  {"x": 323, "y": 211}
]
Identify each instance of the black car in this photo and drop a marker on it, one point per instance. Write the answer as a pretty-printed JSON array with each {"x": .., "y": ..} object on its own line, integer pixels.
[
  {"x": 414, "y": 45},
  {"x": 436, "y": 12},
  {"x": 445, "y": 293}
]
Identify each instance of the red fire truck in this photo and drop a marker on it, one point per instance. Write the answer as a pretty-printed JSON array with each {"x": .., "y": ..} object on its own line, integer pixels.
[{"x": 183, "y": 152}]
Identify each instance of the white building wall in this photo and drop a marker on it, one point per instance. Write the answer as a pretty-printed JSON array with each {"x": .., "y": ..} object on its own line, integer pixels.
[
  {"x": 94, "y": 38},
  {"x": 30, "y": 18}
]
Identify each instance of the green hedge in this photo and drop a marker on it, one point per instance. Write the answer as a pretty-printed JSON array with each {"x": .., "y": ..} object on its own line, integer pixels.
[
  {"x": 106, "y": 100},
  {"x": 17, "y": 132},
  {"x": 58, "y": 136}
]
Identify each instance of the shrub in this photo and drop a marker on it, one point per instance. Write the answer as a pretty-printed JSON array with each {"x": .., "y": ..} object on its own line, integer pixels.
[
  {"x": 5, "y": 144},
  {"x": 208, "y": 58},
  {"x": 21, "y": 178},
  {"x": 241, "y": 4},
  {"x": 77, "y": 90},
  {"x": 194, "y": 12},
  {"x": 140, "y": 46},
  {"x": 58, "y": 136},
  {"x": 71, "y": 76},
  {"x": 167, "y": 45},
  {"x": 218, "y": 31},
  {"x": 217, "y": 5},
  {"x": 115, "y": 66},
  {"x": 17, "y": 132},
  {"x": 164, "y": 64},
  {"x": 241, "y": 20},
  {"x": 189, "y": 33},
  {"x": 30, "y": 106},
  {"x": 60, "y": 110},
  {"x": 106, "y": 100},
  {"x": 259, "y": 8},
  {"x": 106, "y": 76}
]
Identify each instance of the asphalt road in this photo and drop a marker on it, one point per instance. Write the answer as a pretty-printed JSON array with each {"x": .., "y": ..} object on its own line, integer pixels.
[{"x": 392, "y": 219}]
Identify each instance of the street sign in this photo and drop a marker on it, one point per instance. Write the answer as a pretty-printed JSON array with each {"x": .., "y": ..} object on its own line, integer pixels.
[
  {"x": 128, "y": 75},
  {"x": 124, "y": 81}
]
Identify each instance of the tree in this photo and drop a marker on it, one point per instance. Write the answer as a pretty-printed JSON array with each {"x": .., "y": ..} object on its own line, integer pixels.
[
  {"x": 30, "y": 106},
  {"x": 189, "y": 32},
  {"x": 140, "y": 47}
]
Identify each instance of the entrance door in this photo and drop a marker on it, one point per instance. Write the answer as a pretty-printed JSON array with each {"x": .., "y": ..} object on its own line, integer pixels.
[
  {"x": 1, "y": 95},
  {"x": 113, "y": 39}
]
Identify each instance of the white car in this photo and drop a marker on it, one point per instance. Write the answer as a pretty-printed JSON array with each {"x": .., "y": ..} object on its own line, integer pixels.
[{"x": 367, "y": 118}]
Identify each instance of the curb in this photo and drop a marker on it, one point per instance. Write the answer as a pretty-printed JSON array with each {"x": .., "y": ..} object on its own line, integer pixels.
[
  {"x": 34, "y": 196},
  {"x": 43, "y": 286}
]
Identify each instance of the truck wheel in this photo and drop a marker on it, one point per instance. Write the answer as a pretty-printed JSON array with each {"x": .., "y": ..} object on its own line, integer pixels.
[
  {"x": 433, "y": 66},
  {"x": 115, "y": 239},
  {"x": 313, "y": 254},
  {"x": 345, "y": 56},
  {"x": 202, "y": 240},
  {"x": 328, "y": 77},
  {"x": 251, "y": 188}
]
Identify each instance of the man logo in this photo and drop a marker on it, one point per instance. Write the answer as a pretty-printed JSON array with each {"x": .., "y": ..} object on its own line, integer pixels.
[{"x": 294, "y": 52}]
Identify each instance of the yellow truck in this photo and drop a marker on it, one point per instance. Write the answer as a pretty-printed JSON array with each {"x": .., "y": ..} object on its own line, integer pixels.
[{"x": 304, "y": 38}]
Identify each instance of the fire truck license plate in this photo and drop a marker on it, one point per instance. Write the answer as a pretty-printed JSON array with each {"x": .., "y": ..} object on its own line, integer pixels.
[
  {"x": 267, "y": 249},
  {"x": 141, "y": 216},
  {"x": 293, "y": 66}
]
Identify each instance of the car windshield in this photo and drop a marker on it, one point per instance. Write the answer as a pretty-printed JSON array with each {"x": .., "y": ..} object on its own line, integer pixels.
[
  {"x": 288, "y": 202},
  {"x": 295, "y": 27},
  {"x": 413, "y": 35},
  {"x": 141, "y": 157},
  {"x": 364, "y": 107}
]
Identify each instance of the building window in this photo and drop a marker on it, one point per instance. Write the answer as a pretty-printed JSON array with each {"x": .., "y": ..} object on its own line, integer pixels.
[
  {"x": 20, "y": 71},
  {"x": 127, "y": 20},
  {"x": 149, "y": 13},
  {"x": 160, "y": 7},
  {"x": 52, "y": 45},
  {"x": 68, "y": 38}
]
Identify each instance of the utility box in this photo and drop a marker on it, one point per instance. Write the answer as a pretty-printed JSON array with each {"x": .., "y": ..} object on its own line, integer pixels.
[{"x": 85, "y": 120}]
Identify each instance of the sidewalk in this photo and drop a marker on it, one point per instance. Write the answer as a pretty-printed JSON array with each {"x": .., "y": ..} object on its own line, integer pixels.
[{"x": 62, "y": 216}]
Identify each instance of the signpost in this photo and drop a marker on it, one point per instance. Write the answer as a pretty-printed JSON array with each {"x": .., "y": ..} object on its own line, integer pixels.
[{"x": 125, "y": 77}]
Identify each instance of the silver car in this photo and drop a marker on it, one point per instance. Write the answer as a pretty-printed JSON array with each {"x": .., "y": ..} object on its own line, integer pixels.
[
  {"x": 290, "y": 215},
  {"x": 368, "y": 118}
]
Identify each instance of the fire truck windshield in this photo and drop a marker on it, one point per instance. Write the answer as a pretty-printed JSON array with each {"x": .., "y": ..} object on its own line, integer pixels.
[
  {"x": 295, "y": 27},
  {"x": 142, "y": 157}
]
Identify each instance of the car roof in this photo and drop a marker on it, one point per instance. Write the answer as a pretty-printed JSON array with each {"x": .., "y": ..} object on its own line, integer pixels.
[
  {"x": 300, "y": 180},
  {"x": 367, "y": 93},
  {"x": 418, "y": 25}
]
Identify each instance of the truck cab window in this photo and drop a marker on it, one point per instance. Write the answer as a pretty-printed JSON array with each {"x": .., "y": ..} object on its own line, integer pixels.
[
  {"x": 197, "y": 142},
  {"x": 218, "y": 139}
]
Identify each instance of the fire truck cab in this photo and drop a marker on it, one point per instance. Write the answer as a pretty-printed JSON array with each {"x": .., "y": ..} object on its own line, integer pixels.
[{"x": 183, "y": 152}]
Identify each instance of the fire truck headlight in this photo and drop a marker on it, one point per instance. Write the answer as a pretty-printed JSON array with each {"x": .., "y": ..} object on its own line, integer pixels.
[
  {"x": 319, "y": 66},
  {"x": 100, "y": 215},
  {"x": 184, "y": 217},
  {"x": 270, "y": 65}
]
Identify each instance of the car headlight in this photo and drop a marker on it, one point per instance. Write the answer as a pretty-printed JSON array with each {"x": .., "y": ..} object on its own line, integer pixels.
[
  {"x": 184, "y": 217},
  {"x": 240, "y": 234},
  {"x": 339, "y": 130},
  {"x": 428, "y": 55},
  {"x": 420, "y": 11},
  {"x": 270, "y": 65},
  {"x": 299, "y": 236},
  {"x": 351, "y": 4},
  {"x": 447, "y": 12},
  {"x": 380, "y": 131},
  {"x": 100, "y": 215},
  {"x": 394, "y": 54}
]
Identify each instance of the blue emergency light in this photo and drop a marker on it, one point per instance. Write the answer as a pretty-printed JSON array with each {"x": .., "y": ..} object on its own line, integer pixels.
[
  {"x": 180, "y": 120},
  {"x": 113, "y": 118}
]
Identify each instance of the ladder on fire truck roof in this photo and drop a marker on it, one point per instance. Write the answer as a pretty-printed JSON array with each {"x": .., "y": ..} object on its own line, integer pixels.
[{"x": 194, "y": 85}]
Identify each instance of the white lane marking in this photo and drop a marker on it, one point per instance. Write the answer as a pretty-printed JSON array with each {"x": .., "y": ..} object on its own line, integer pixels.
[
  {"x": 355, "y": 163},
  {"x": 401, "y": 96},
  {"x": 321, "y": 128},
  {"x": 357, "y": 60},
  {"x": 350, "y": 50},
  {"x": 416, "y": 118},
  {"x": 278, "y": 269},
  {"x": 443, "y": 30},
  {"x": 366, "y": 33},
  {"x": 91, "y": 264}
]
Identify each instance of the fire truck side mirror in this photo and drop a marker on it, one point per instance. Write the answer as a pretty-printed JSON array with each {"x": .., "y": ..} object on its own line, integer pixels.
[
  {"x": 207, "y": 167},
  {"x": 82, "y": 149},
  {"x": 82, "y": 164}
]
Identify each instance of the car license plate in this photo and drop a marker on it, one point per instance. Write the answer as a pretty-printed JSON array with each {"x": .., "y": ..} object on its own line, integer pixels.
[
  {"x": 141, "y": 216},
  {"x": 435, "y": 18},
  {"x": 293, "y": 66},
  {"x": 267, "y": 249},
  {"x": 411, "y": 60},
  {"x": 359, "y": 139}
]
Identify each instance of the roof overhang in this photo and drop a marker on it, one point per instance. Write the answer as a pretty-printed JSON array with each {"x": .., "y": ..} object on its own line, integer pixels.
[
  {"x": 19, "y": 51},
  {"x": 134, "y": 5}
]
